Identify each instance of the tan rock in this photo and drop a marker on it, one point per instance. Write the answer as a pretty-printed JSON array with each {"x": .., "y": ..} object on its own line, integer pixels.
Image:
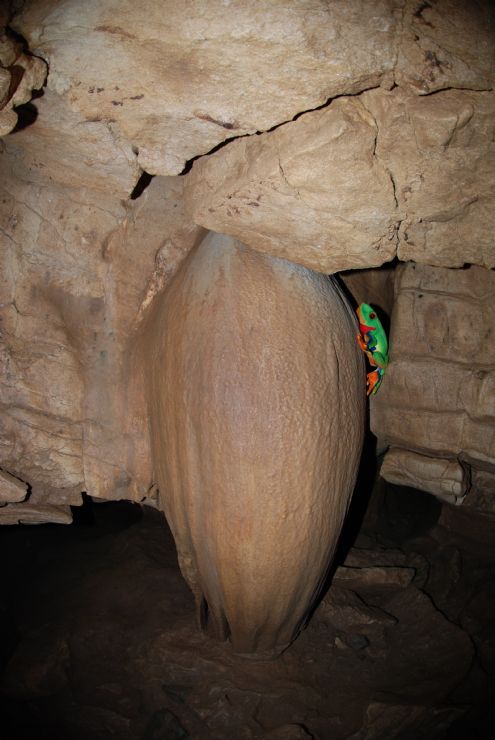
[
  {"x": 257, "y": 415},
  {"x": 444, "y": 478},
  {"x": 20, "y": 74},
  {"x": 439, "y": 151},
  {"x": 79, "y": 268},
  {"x": 27, "y": 513},
  {"x": 438, "y": 395},
  {"x": 75, "y": 152},
  {"x": 446, "y": 44},
  {"x": 175, "y": 83},
  {"x": 312, "y": 191},
  {"x": 11, "y": 488}
]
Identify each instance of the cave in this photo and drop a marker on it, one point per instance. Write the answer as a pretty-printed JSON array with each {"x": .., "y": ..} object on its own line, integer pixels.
[{"x": 247, "y": 450}]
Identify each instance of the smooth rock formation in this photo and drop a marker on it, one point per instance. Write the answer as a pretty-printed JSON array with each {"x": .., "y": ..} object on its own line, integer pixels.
[
  {"x": 438, "y": 395},
  {"x": 256, "y": 401},
  {"x": 446, "y": 479},
  {"x": 79, "y": 270}
]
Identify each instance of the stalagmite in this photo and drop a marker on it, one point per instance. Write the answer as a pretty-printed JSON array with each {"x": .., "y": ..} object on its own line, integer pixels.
[{"x": 256, "y": 395}]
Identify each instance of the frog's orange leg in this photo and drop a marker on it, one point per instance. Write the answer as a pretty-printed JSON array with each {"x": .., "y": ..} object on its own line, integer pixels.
[{"x": 373, "y": 381}]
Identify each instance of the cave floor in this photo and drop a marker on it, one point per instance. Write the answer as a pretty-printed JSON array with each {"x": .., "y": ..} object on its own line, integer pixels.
[{"x": 100, "y": 637}]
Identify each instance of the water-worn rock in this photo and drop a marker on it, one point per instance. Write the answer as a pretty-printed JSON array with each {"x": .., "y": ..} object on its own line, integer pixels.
[
  {"x": 257, "y": 415},
  {"x": 20, "y": 74},
  {"x": 73, "y": 292},
  {"x": 11, "y": 488},
  {"x": 446, "y": 479},
  {"x": 438, "y": 396}
]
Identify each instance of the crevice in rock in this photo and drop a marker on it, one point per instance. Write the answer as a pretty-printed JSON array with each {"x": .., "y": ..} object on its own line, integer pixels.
[
  {"x": 141, "y": 185},
  {"x": 225, "y": 142}
]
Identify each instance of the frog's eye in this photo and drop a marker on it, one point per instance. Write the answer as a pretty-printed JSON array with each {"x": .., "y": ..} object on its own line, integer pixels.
[{"x": 372, "y": 315}]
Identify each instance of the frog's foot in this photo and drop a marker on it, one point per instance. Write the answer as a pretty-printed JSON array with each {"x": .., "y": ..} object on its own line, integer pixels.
[
  {"x": 373, "y": 381},
  {"x": 361, "y": 342}
]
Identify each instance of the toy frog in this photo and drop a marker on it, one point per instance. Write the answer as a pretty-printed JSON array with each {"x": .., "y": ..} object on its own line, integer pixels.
[{"x": 373, "y": 341}]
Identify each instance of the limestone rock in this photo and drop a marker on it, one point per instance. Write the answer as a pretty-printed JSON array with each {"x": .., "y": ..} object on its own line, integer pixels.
[
  {"x": 345, "y": 610},
  {"x": 446, "y": 44},
  {"x": 311, "y": 191},
  {"x": 20, "y": 74},
  {"x": 440, "y": 153},
  {"x": 256, "y": 424},
  {"x": 482, "y": 493},
  {"x": 79, "y": 268},
  {"x": 438, "y": 395},
  {"x": 174, "y": 82},
  {"x": 11, "y": 488},
  {"x": 27, "y": 513},
  {"x": 74, "y": 151},
  {"x": 446, "y": 479},
  {"x": 365, "y": 578},
  {"x": 384, "y": 720}
]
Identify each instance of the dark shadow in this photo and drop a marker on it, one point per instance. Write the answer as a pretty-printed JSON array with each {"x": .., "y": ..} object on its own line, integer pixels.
[
  {"x": 26, "y": 116},
  {"x": 141, "y": 185}
]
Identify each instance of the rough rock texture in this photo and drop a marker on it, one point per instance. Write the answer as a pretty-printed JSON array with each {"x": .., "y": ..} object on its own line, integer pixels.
[
  {"x": 105, "y": 643},
  {"x": 175, "y": 79},
  {"x": 393, "y": 156},
  {"x": 257, "y": 419},
  {"x": 11, "y": 489},
  {"x": 312, "y": 191},
  {"x": 78, "y": 270},
  {"x": 440, "y": 153},
  {"x": 438, "y": 395},
  {"x": 20, "y": 74},
  {"x": 331, "y": 189}
]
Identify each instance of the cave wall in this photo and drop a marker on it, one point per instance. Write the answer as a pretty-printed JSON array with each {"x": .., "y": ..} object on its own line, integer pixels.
[{"x": 347, "y": 135}]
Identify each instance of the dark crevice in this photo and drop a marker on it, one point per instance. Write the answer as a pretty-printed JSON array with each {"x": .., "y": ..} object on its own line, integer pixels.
[
  {"x": 141, "y": 185},
  {"x": 222, "y": 144}
]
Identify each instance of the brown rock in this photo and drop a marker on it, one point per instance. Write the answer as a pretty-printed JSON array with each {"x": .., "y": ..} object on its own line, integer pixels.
[
  {"x": 31, "y": 513},
  {"x": 384, "y": 720},
  {"x": 446, "y": 44},
  {"x": 312, "y": 191},
  {"x": 193, "y": 80},
  {"x": 362, "y": 579},
  {"x": 446, "y": 479},
  {"x": 20, "y": 74},
  {"x": 439, "y": 151},
  {"x": 257, "y": 415},
  {"x": 73, "y": 293},
  {"x": 11, "y": 488},
  {"x": 438, "y": 395}
]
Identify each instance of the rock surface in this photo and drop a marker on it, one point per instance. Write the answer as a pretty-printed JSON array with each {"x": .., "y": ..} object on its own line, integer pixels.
[
  {"x": 105, "y": 617},
  {"x": 20, "y": 74},
  {"x": 73, "y": 293},
  {"x": 365, "y": 179},
  {"x": 446, "y": 479},
  {"x": 257, "y": 424},
  {"x": 173, "y": 80},
  {"x": 438, "y": 395}
]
